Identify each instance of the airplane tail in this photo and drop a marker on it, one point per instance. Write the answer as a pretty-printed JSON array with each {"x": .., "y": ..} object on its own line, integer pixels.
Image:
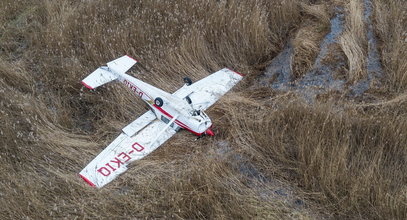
[
  {"x": 110, "y": 73},
  {"x": 98, "y": 78}
]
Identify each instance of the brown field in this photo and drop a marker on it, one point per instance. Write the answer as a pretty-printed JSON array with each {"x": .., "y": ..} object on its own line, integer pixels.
[{"x": 276, "y": 154}]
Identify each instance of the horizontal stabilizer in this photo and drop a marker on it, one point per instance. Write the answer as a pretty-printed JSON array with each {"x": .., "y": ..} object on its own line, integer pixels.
[
  {"x": 122, "y": 64},
  {"x": 99, "y": 77}
]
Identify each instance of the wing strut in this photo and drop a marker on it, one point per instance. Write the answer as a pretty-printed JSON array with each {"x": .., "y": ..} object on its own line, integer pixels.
[{"x": 165, "y": 128}]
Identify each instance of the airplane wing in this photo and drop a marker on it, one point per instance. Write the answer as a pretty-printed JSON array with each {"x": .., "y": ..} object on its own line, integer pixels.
[
  {"x": 139, "y": 123},
  {"x": 113, "y": 160},
  {"x": 208, "y": 90}
]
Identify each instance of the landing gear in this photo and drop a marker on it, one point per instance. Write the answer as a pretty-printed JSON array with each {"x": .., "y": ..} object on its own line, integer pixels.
[
  {"x": 188, "y": 100},
  {"x": 158, "y": 101},
  {"x": 187, "y": 81},
  {"x": 199, "y": 137}
]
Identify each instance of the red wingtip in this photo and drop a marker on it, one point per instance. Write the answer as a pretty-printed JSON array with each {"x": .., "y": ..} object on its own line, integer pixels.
[
  {"x": 86, "y": 180},
  {"x": 86, "y": 85},
  {"x": 236, "y": 72},
  {"x": 132, "y": 58}
]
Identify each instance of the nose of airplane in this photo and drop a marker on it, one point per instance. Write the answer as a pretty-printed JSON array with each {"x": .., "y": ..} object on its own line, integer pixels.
[{"x": 209, "y": 132}]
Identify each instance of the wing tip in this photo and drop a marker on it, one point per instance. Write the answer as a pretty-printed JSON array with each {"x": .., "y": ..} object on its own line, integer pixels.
[
  {"x": 132, "y": 58},
  {"x": 87, "y": 180},
  {"x": 240, "y": 74},
  {"x": 86, "y": 85}
]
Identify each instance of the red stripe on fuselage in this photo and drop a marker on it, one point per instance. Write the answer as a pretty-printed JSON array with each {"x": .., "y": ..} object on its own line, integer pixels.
[
  {"x": 188, "y": 129},
  {"x": 177, "y": 121},
  {"x": 170, "y": 116}
]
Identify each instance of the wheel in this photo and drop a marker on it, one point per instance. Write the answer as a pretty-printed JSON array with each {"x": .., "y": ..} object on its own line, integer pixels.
[
  {"x": 187, "y": 81},
  {"x": 188, "y": 100},
  {"x": 158, "y": 102}
]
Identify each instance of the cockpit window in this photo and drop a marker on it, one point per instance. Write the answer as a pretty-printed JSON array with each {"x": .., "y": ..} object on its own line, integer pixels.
[{"x": 166, "y": 120}]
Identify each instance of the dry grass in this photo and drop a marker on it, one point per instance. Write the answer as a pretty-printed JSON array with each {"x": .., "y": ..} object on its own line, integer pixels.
[
  {"x": 343, "y": 159},
  {"x": 353, "y": 159},
  {"x": 354, "y": 40},
  {"x": 306, "y": 49},
  {"x": 307, "y": 39},
  {"x": 391, "y": 26}
]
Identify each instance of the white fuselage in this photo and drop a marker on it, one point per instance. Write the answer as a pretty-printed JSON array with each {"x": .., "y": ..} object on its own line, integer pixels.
[{"x": 193, "y": 120}]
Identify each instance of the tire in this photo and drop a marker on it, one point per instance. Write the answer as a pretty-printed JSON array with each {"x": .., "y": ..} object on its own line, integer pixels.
[
  {"x": 187, "y": 81},
  {"x": 188, "y": 100},
  {"x": 158, "y": 101}
]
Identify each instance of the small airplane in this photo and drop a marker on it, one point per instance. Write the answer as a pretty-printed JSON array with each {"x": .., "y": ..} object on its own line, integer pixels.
[{"x": 184, "y": 109}]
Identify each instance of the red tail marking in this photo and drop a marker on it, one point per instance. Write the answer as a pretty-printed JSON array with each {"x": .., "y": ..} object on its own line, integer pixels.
[{"x": 131, "y": 58}]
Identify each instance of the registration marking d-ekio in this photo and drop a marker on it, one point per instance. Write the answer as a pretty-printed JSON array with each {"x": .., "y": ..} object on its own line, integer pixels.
[{"x": 114, "y": 164}]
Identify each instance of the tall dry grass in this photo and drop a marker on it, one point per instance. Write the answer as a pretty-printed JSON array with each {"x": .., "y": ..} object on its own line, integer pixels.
[
  {"x": 354, "y": 40},
  {"x": 51, "y": 127},
  {"x": 391, "y": 26},
  {"x": 307, "y": 39},
  {"x": 350, "y": 159}
]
